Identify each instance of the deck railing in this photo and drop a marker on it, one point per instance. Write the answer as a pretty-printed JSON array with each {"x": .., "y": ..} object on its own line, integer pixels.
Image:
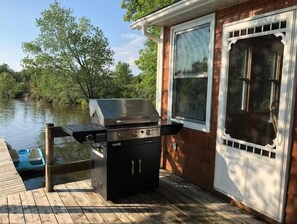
[{"x": 52, "y": 169}]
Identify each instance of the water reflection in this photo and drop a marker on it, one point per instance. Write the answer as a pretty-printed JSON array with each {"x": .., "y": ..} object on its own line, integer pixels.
[{"x": 22, "y": 124}]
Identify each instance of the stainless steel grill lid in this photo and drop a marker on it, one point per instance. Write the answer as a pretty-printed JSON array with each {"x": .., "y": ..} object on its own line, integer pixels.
[{"x": 115, "y": 112}]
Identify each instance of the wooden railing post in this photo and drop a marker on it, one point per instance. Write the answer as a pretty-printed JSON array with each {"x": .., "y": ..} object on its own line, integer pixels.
[{"x": 49, "y": 156}]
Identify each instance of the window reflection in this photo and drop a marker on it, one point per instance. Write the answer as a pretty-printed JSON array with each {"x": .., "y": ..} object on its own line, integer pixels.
[
  {"x": 190, "y": 99},
  {"x": 190, "y": 74}
]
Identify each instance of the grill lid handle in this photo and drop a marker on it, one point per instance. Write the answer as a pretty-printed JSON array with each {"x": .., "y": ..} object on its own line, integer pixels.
[{"x": 133, "y": 121}]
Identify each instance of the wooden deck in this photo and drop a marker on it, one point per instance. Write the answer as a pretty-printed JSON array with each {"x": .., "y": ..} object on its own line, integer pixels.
[
  {"x": 176, "y": 201},
  {"x": 10, "y": 180}
]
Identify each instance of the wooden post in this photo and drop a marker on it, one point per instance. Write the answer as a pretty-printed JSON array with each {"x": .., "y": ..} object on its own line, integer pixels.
[{"x": 49, "y": 156}]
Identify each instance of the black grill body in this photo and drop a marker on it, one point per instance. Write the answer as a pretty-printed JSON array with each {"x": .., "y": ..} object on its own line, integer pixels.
[
  {"x": 126, "y": 138},
  {"x": 124, "y": 167}
]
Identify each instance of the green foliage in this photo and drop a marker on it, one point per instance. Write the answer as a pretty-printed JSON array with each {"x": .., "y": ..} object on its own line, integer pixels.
[
  {"x": 23, "y": 87},
  {"x": 5, "y": 68},
  {"x": 145, "y": 87},
  {"x": 147, "y": 62},
  {"x": 78, "y": 52},
  {"x": 69, "y": 61},
  {"x": 7, "y": 85},
  {"x": 56, "y": 86},
  {"x": 12, "y": 84},
  {"x": 123, "y": 80},
  {"x": 139, "y": 8}
]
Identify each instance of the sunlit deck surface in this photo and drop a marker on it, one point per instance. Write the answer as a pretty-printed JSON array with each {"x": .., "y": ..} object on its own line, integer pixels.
[
  {"x": 175, "y": 201},
  {"x": 10, "y": 180}
]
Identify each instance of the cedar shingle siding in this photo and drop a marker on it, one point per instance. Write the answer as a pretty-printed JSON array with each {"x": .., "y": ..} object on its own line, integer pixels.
[{"x": 195, "y": 158}]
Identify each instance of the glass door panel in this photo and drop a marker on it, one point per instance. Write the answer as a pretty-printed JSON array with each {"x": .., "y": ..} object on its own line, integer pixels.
[{"x": 253, "y": 89}]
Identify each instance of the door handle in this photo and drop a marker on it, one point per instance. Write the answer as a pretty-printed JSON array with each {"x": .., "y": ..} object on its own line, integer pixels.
[
  {"x": 139, "y": 167},
  {"x": 132, "y": 170},
  {"x": 279, "y": 136}
]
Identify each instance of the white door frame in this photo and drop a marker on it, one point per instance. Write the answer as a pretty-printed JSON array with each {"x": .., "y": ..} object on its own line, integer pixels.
[{"x": 282, "y": 142}]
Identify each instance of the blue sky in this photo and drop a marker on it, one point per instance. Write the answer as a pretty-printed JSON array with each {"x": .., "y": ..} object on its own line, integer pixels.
[{"x": 17, "y": 25}]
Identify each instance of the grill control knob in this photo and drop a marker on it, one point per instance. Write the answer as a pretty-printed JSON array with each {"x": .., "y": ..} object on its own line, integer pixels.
[
  {"x": 148, "y": 132},
  {"x": 134, "y": 133},
  {"x": 90, "y": 138},
  {"x": 120, "y": 135}
]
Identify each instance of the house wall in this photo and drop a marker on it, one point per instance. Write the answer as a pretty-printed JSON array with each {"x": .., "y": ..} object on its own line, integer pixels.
[
  {"x": 195, "y": 150},
  {"x": 194, "y": 158}
]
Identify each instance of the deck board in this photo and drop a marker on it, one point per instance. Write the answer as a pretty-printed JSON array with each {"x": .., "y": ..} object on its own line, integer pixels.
[
  {"x": 82, "y": 201},
  {"x": 59, "y": 208},
  {"x": 208, "y": 201},
  {"x": 71, "y": 205},
  {"x": 45, "y": 211},
  {"x": 10, "y": 180},
  {"x": 3, "y": 210},
  {"x": 15, "y": 209},
  {"x": 106, "y": 212},
  {"x": 175, "y": 201},
  {"x": 31, "y": 214}
]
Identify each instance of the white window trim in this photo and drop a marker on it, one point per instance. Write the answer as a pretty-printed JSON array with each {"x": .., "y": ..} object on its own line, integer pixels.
[
  {"x": 188, "y": 26},
  {"x": 159, "y": 84}
]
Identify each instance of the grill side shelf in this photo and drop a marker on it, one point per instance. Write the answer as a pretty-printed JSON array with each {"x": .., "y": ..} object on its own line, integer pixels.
[
  {"x": 86, "y": 133},
  {"x": 170, "y": 128}
]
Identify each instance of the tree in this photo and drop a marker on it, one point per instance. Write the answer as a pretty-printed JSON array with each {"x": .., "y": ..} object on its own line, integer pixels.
[
  {"x": 137, "y": 9},
  {"x": 56, "y": 87},
  {"x": 7, "y": 85},
  {"x": 145, "y": 87},
  {"x": 5, "y": 68},
  {"x": 147, "y": 61},
  {"x": 71, "y": 47},
  {"x": 8, "y": 82},
  {"x": 123, "y": 80},
  {"x": 13, "y": 84}
]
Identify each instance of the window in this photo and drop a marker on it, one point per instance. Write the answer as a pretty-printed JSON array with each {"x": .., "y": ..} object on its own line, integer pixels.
[
  {"x": 255, "y": 66},
  {"x": 191, "y": 73}
]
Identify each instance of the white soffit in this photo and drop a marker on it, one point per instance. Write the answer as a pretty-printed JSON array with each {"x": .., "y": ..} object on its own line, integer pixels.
[{"x": 182, "y": 11}]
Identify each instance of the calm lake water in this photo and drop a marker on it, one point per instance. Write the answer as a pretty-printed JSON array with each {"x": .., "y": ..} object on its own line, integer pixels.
[{"x": 22, "y": 125}]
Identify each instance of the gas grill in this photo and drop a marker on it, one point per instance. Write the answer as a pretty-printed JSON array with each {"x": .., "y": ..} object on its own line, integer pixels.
[
  {"x": 126, "y": 139},
  {"x": 125, "y": 119}
]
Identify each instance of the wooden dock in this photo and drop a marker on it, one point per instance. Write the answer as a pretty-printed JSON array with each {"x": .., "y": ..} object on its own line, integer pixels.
[
  {"x": 10, "y": 180},
  {"x": 175, "y": 201}
]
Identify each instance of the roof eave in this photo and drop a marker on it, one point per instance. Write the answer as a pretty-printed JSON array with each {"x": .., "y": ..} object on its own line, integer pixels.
[{"x": 181, "y": 11}]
